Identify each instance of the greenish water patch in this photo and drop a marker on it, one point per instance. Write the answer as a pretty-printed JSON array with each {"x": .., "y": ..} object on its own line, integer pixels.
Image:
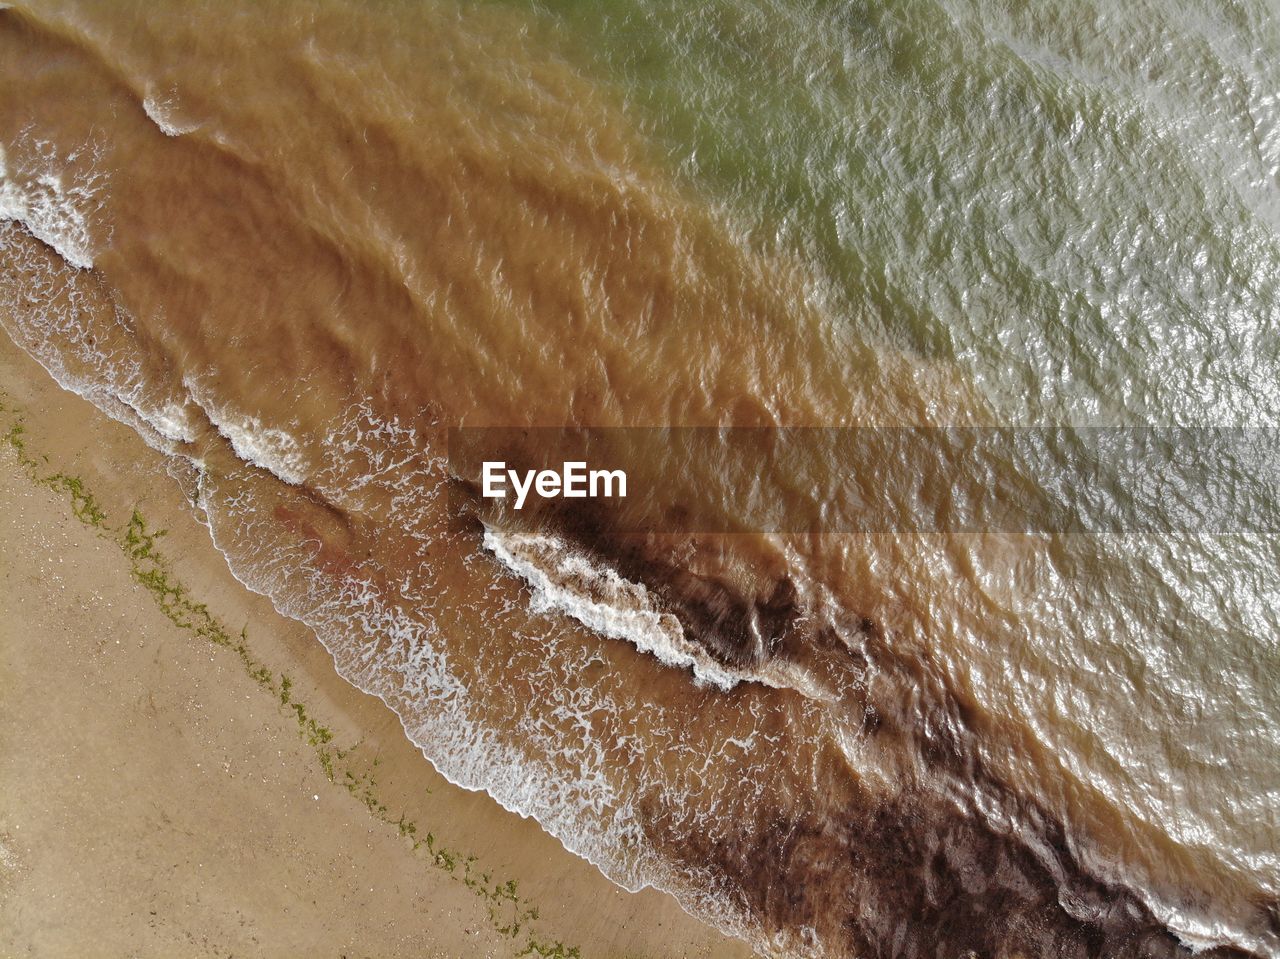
[{"x": 1075, "y": 203}]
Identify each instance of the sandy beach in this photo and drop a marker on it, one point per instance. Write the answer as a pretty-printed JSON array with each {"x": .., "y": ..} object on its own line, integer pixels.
[{"x": 164, "y": 793}]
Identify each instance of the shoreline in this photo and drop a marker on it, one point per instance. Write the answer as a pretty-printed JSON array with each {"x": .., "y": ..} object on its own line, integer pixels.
[{"x": 189, "y": 671}]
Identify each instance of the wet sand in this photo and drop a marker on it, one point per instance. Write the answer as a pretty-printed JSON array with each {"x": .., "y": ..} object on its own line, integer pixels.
[{"x": 156, "y": 800}]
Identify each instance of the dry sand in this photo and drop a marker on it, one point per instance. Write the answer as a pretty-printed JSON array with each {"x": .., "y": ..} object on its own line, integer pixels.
[{"x": 156, "y": 800}]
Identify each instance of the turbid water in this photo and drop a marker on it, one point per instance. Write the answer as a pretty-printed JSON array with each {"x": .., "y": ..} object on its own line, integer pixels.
[{"x": 297, "y": 244}]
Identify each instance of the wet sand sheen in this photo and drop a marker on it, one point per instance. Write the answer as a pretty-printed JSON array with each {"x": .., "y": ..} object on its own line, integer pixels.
[{"x": 301, "y": 291}]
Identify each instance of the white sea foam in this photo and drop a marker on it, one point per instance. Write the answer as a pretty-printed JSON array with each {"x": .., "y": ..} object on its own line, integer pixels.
[
  {"x": 565, "y": 581},
  {"x": 266, "y": 447},
  {"x": 49, "y": 309},
  {"x": 172, "y": 421},
  {"x": 384, "y": 454},
  {"x": 56, "y": 197},
  {"x": 603, "y": 601},
  {"x": 160, "y": 110}
]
